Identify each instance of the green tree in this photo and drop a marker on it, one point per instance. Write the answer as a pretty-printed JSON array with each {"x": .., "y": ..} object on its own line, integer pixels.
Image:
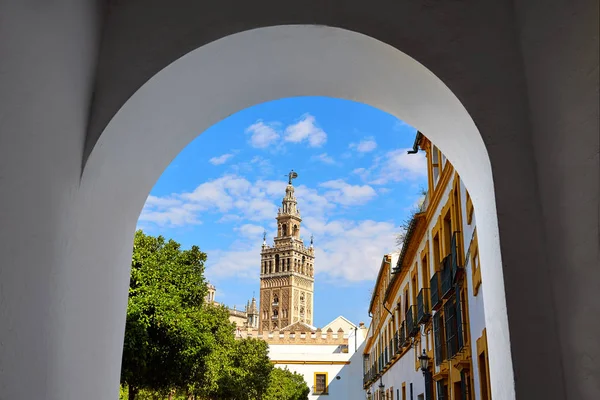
[
  {"x": 177, "y": 346},
  {"x": 163, "y": 332},
  {"x": 286, "y": 385}
]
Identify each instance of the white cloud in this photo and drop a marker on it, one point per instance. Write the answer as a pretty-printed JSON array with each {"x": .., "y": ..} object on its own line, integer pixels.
[
  {"x": 238, "y": 262},
  {"x": 344, "y": 250},
  {"x": 347, "y": 250},
  {"x": 324, "y": 158},
  {"x": 168, "y": 211},
  {"x": 364, "y": 146},
  {"x": 234, "y": 196},
  {"x": 262, "y": 135},
  {"x": 346, "y": 194},
  {"x": 351, "y": 250},
  {"x": 394, "y": 166},
  {"x": 305, "y": 130},
  {"x": 222, "y": 159},
  {"x": 250, "y": 230}
]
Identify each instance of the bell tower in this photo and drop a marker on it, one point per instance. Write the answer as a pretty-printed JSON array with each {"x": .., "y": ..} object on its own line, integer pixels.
[{"x": 287, "y": 270}]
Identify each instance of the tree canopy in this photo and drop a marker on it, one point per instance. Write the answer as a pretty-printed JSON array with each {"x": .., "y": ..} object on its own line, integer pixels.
[
  {"x": 177, "y": 344},
  {"x": 286, "y": 385}
]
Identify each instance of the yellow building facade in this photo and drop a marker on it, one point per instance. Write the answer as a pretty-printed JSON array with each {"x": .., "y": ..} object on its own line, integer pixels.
[{"x": 427, "y": 303}]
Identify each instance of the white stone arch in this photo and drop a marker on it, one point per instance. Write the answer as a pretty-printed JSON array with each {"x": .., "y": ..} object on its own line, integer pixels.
[{"x": 216, "y": 80}]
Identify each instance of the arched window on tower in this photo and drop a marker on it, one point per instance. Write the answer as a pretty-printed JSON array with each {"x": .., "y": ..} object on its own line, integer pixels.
[
  {"x": 284, "y": 230},
  {"x": 288, "y": 265},
  {"x": 276, "y": 262},
  {"x": 295, "y": 230}
]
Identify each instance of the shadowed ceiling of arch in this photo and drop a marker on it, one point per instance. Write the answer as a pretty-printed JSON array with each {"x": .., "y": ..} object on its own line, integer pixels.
[{"x": 140, "y": 38}]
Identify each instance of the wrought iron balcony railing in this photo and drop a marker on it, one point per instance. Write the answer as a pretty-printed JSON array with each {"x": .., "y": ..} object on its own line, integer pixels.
[
  {"x": 447, "y": 281},
  {"x": 423, "y": 309},
  {"x": 412, "y": 327},
  {"x": 403, "y": 339},
  {"x": 434, "y": 291},
  {"x": 457, "y": 268}
]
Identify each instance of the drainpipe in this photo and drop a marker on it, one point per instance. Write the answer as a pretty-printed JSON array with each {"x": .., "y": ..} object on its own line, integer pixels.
[
  {"x": 386, "y": 309},
  {"x": 415, "y": 148}
]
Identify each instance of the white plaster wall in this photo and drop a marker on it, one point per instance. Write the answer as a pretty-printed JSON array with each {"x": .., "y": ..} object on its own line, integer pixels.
[
  {"x": 348, "y": 387},
  {"x": 322, "y": 350},
  {"x": 403, "y": 371},
  {"x": 476, "y": 303},
  {"x": 559, "y": 44},
  {"x": 338, "y": 389},
  {"x": 48, "y": 53}
]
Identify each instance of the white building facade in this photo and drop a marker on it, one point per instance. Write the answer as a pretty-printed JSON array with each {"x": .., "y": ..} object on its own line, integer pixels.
[
  {"x": 331, "y": 362},
  {"x": 428, "y": 301}
]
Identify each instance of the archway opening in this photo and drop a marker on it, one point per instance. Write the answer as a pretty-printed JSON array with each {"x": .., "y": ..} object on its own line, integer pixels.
[{"x": 214, "y": 81}]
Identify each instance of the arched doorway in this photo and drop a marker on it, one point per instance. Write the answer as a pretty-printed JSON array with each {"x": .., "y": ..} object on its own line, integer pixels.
[
  {"x": 213, "y": 81},
  {"x": 65, "y": 238}
]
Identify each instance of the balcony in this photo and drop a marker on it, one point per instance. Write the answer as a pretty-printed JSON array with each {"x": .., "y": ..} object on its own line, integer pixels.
[
  {"x": 412, "y": 327},
  {"x": 434, "y": 291},
  {"x": 447, "y": 282},
  {"x": 275, "y": 304},
  {"x": 275, "y": 317},
  {"x": 423, "y": 309},
  {"x": 402, "y": 339},
  {"x": 386, "y": 359},
  {"x": 457, "y": 269}
]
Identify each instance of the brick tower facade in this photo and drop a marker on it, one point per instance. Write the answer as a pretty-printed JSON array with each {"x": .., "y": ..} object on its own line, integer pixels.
[{"x": 287, "y": 271}]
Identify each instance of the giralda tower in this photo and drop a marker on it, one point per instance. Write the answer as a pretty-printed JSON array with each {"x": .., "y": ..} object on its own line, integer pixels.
[{"x": 287, "y": 270}]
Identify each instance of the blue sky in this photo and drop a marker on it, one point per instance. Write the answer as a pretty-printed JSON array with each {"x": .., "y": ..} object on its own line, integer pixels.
[{"x": 355, "y": 186}]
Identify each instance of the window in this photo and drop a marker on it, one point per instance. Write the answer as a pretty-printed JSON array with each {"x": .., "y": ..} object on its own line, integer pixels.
[
  {"x": 435, "y": 164},
  {"x": 483, "y": 366},
  {"x": 321, "y": 386},
  {"x": 442, "y": 390},
  {"x": 436, "y": 252},
  {"x": 469, "y": 209},
  {"x": 438, "y": 334},
  {"x": 414, "y": 287},
  {"x": 451, "y": 328},
  {"x": 447, "y": 232},
  {"x": 425, "y": 272},
  {"x": 475, "y": 265},
  {"x": 465, "y": 384}
]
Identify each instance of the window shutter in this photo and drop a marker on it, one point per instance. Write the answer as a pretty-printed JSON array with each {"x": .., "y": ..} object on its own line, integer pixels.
[
  {"x": 450, "y": 324},
  {"x": 437, "y": 334},
  {"x": 459, "y": 326}
]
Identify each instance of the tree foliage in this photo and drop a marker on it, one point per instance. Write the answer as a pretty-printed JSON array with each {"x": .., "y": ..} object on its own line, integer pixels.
[
  {"x": 286, "y": 385},
  {"x": 174, "y": 343}
]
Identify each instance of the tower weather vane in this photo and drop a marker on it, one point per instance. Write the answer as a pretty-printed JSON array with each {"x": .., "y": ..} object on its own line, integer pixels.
[{"x": 291, "y": 175}]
